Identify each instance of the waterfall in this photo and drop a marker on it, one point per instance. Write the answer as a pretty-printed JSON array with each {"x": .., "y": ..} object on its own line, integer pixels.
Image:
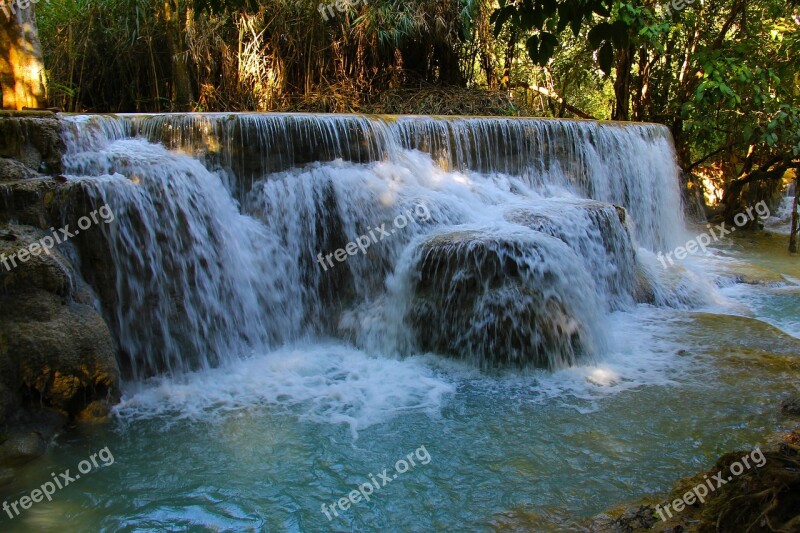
[{"x": 519, "y": 236}]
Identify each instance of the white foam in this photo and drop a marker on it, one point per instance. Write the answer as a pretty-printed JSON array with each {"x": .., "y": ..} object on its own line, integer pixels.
[
  {"x": 323, "y": 383},
  {"x": 644, "y": 352},
  {"x": 781, "y": 220},
  {"x": 647, "y": 350}
]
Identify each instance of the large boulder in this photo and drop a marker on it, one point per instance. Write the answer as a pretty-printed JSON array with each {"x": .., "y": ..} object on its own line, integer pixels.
[
  {"x": 596, "y": 231},
  {"x": 55, "y": 348},
  {"x": 502, "y": 299}
]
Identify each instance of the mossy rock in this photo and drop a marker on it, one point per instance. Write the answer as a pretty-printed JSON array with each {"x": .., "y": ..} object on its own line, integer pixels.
[
  {"x": 55, "y": 348},
  {"x": 26, "y": 201},
  {"x": 760, "y": 500},
  {"x": 48, "y": 270},
  {"x": 34, "y": 140},
  {"x": 493, "y": 300},
  {"x": 62, "y": 351},
  {"x": 13, "y": 170}
]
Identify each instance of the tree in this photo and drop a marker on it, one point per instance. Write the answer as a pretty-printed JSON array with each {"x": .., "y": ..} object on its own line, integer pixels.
[{"x": 21, "y": 65}]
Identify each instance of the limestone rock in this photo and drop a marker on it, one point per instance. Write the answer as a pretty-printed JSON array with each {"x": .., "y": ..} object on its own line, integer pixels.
[
  {"x": 48, "y": 270},
  {"x": 596, "y": 231},
  {"x": 496, "y": 301},
  {"x": 63, "y": 351},
  {"x": 53, "y": 342},
  {"x": 33, "y": 139},
  {"x": 29, "y": 201},
  {"x": 13, "y": 170},
  {"x": 98, "y": 410}
]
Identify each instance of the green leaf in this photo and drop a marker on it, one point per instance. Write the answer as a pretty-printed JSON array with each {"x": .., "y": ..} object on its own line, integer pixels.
[
  {"x": 532, "y": 45},
  {"x": 547, "y": 46},
  {"x": 605, "y": 57},
  {"x": 598, "y": 34}
]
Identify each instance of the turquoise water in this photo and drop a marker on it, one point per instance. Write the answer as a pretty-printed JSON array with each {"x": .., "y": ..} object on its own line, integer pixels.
[
  {"x": 261, "y": 446},
  {"x": 271, "y": 441}
]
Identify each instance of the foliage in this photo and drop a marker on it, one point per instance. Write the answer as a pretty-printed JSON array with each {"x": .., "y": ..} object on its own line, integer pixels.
[{"x": 109, "y": 55}]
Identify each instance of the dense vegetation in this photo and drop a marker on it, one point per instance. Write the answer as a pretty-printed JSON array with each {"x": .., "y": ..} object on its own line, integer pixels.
[{"x": 724, "y": 75}]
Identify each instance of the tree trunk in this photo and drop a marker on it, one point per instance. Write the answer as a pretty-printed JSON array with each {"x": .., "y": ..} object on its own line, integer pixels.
[
  {"x": 21, "y": 65},
  {"x": 622, "y": 83},
  {"x": 793, "y": 234},
  {"x": 505, "y": 82},
  {"x": 181, "y": 80}
]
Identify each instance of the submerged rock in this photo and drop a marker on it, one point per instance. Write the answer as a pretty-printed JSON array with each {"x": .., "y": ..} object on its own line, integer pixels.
[
  {"x": 21, "y": 447},
  {"x": 501, "y": 300},
  {"x": 791, "y": 406},
  {"x": 6, "y": 476}
]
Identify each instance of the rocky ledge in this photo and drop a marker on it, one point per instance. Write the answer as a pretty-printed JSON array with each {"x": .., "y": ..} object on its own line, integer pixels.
[
  {"x": 57, "y": 355},
  {"x": 762, "y": 499}
]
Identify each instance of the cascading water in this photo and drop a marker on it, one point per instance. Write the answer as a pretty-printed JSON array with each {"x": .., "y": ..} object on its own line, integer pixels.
[
  {"x": 508, "y": 312},
  {"x": 221, "y": 239}
]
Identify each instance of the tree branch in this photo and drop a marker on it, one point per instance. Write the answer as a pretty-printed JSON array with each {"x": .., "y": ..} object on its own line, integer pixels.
[
  {"x": 553, "y": 96},
  {"x": 707, "y": 157}
]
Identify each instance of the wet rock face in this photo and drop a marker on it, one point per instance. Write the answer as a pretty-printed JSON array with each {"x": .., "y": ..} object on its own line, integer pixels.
[
  {"x": 596, "y": 231},
  {"x": 54, "y": 345},
  {"x": 494, "y": 301},
  {"x": 33, "y": 140},
  {"x": 56, "y": 350}
]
